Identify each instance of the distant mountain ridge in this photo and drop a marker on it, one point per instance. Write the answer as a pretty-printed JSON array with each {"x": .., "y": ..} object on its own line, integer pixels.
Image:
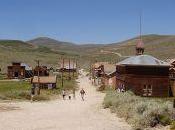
[
  {"x": 50, "y": 51},
  {"x": 161, "y": 43},
  {"x": 61, "y": 45}
]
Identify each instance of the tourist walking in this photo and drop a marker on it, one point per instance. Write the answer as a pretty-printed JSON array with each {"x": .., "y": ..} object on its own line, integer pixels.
[
  {"x": 63, "y": 94},
  {"x": 74, "y": 93},
  {"x": 82, "y": 93},
  {"x": 32, "y": 93}
]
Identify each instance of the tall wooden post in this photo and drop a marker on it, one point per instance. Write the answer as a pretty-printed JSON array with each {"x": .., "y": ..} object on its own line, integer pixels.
[
  {"x": 62, "y": 73},
  {"x": 38, "y": 64},
  {"x": 73, "y": 66},
  {"x": 76, "y": 65},
  {"x": 69, "y": 69}
]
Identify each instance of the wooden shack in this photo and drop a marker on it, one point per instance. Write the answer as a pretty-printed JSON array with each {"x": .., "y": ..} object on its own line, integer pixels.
[
  {"x": 97, "y": 69},
  {"x": 48, "y": 82},
  {"x": 109, "y": 75},
  {"x": 19, "y": 70},
  {"x": 43, "y": 71},
  {"x": 144, "y": 75}
]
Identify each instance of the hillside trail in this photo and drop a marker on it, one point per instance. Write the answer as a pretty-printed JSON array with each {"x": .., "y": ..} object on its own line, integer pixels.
[{"x": 63, "y": 114}]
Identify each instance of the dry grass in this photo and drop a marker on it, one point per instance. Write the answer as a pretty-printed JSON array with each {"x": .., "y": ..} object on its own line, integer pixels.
[{"x": 138, "y": 111}]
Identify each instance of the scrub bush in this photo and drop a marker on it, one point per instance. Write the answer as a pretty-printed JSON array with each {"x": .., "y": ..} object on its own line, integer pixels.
[{"x": 140, "y": 112}]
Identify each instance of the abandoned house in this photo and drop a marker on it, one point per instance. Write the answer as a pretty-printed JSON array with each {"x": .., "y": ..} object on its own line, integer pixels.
[
  {"x": 68, "y": 66},
  {"x": 109, "y": 75},
  {"x": 97, "y": 70},
  {"x": 19, "y": 70},
  {"x": 47, "y": 82},
  {"x": 144, "y": 75},
  {"x": 41, "y": 70}
]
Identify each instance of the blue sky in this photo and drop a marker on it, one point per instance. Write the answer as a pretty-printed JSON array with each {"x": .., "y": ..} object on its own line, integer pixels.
[{"x": 85, "y": 21}]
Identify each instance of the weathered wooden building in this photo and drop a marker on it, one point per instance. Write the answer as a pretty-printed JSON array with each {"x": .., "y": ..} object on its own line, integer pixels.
[
  {"x": 42, "y": 70},
  {"x": 97, "y": 70},
  {"x": 109, "y": 75},
  {"x": 144, "y": 75},
  {"x": 48, "y": 82},
  {"x": 19, "y": 70}
]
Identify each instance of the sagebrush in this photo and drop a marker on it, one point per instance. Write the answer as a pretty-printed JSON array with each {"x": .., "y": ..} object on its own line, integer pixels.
[{"x": 138, "y": 111}]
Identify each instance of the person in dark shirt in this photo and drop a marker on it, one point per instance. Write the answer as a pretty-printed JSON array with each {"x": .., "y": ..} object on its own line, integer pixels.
[
  {"x": 82, "y": 93},
  {"x": 32, "y": 93}
]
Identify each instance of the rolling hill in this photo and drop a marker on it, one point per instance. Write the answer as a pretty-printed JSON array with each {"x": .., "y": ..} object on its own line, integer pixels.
[
  {"x": 61, "y": 46},
  {"x": 50, "y": 51}
]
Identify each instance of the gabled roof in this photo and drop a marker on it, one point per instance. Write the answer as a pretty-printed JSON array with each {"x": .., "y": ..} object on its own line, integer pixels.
[
  {"x": 145, "y": 60},
  {"x": 45, "y": 79}
]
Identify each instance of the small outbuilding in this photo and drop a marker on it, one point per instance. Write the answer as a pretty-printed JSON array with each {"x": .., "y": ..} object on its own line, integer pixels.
[
  {"x": 144, "y": 75},
  {"x": 48, "y": 82},
  {"x": 19, "y": 70}
]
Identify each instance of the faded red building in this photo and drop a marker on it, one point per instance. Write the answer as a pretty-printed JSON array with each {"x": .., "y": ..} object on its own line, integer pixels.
[
  {"x": 19, "y": 70},
  {"x": 109, "y": 75},
  {"x": 144, "y": 75},
  {"x": 97, "y": 70}
]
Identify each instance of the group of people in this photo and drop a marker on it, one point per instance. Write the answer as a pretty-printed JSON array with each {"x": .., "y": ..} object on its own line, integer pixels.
[{"x": 82, "y": 93}]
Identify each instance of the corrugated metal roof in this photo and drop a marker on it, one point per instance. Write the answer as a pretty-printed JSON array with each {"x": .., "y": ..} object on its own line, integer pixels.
[
  {"x": 45, "y": 79},
  {"x": 143, "y": 60}
]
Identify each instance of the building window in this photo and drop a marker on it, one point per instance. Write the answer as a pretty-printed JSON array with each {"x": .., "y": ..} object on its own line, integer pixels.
[{"x": 147, "y": 90}]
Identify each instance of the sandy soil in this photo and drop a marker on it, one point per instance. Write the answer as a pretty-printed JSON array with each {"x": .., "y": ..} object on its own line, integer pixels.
[{"x": 63, "y": 115}]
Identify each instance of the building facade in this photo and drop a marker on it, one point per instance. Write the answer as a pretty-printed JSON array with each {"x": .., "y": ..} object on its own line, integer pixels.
[
  {"x": 19, "y": 70},
  {"x": 47, "y": 82},
  {"x": 144, "y": 75}
]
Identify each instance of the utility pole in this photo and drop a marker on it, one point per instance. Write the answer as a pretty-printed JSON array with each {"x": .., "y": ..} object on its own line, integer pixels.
[
  {"x": 38, "y": 65},
  {"x": 76, "y": 65},
  {"x": 90, "y": 69},
  {"x": 73, "y": 66},
  {"x": 62, "y": 73},
  {"x": 69, "y": 69}
]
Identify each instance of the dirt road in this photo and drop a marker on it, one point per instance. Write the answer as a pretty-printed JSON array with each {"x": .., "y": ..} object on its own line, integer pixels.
[{"x": 63, "y": 115}]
